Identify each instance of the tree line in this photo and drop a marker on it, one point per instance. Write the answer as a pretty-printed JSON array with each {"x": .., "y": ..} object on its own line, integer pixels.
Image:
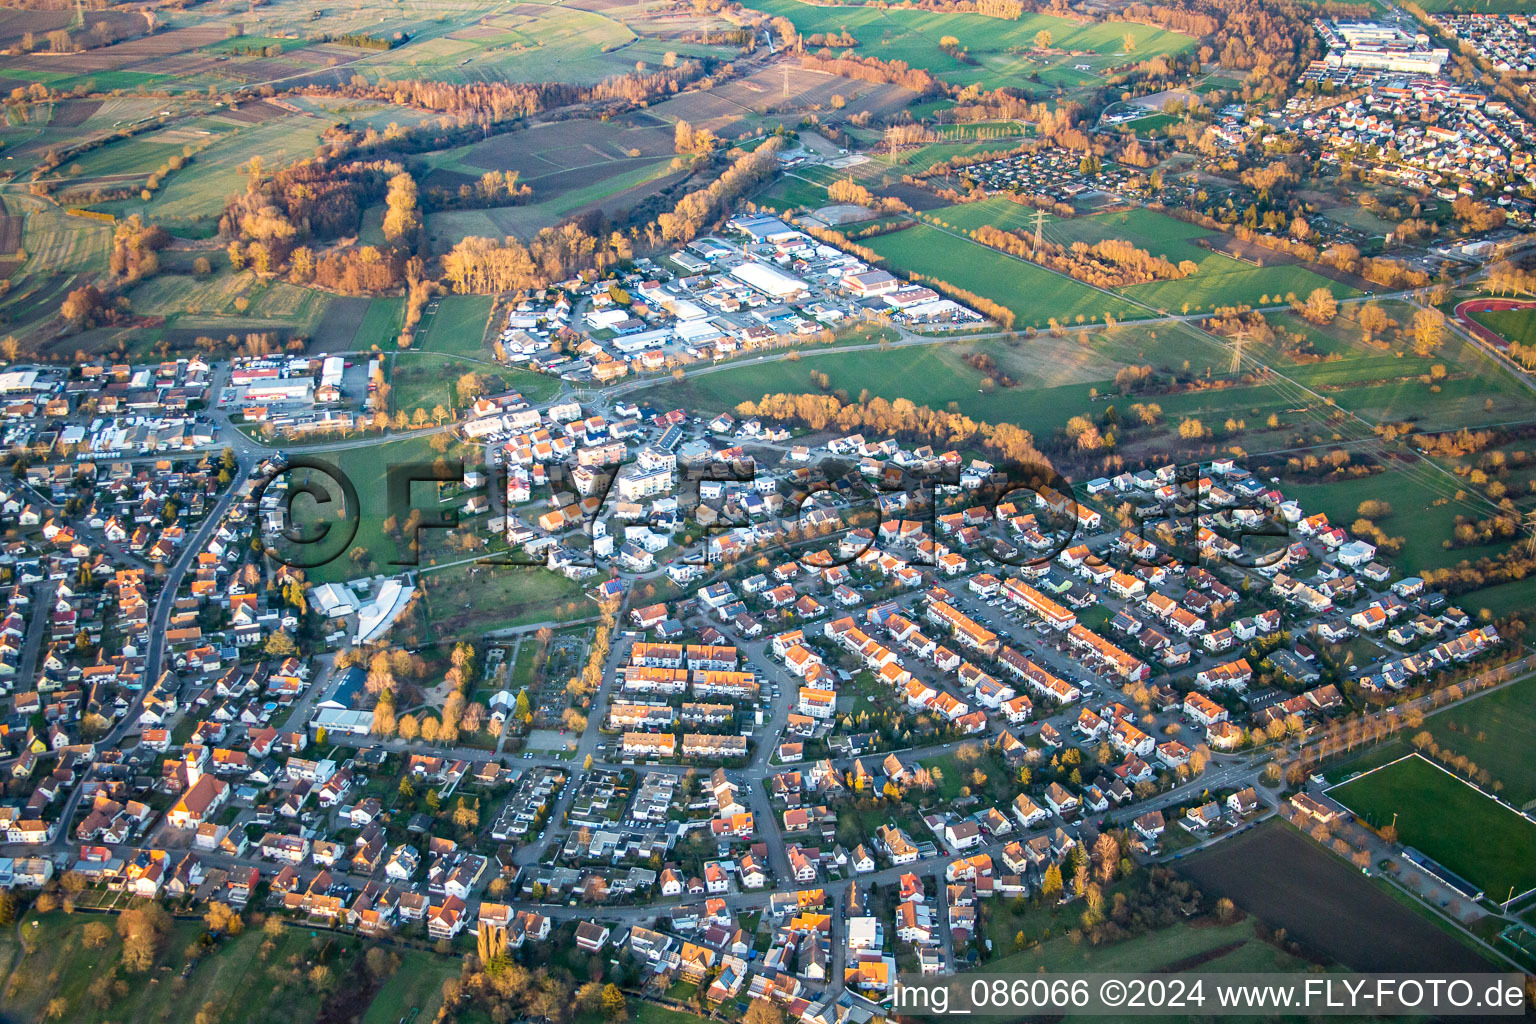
[
  {"x": 901, "y": 417},
  {"x": 1111, "y": 263}
]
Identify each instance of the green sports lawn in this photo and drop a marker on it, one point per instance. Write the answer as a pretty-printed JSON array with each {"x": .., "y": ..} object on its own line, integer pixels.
[
  {"x": 1450, "y": 821},
  {"x": 1510, "y": 324}
]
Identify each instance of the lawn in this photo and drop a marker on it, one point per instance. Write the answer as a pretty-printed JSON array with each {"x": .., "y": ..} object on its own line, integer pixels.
[
  {"x": 425, "y": 380},
  {"x": 213, "y": 303},
  {"x": 1510, "y": 324},
  {"x": 58, "y": 247},
  {"x": 380, "y": 324},
  {"x": 368, "y": 468},
  {"x": 1033, "y": 293},
  {"x": 1054, "y": 377},
  {"x": 949, "y": 777},
  {"x": 527, "y": 42},
  {"x": 1233, "y": 946},
  {"x": 469, "y": 599},
  {"x": 1224, "y": 281},
  {"x": 791, "y": 191},
  {"x": 241, "y": 978},
  {"x": 457, "y": 327},
  {"x": 1471, "y": 834},
  {"x": 1158, "y": 233},
  {"x": 1497, "y": 731},
  {"x": 1506, "y": 599},
  {"x": 132, "y": 157},
  {"x": 413, "y": 991},
  {"x": 553, "y": 201}
]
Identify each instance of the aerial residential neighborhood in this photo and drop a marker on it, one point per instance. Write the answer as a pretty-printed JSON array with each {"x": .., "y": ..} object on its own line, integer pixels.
[{"x": 737, "y": 511}]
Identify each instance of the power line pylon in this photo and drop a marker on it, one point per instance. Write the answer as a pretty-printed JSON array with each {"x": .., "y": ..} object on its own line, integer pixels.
[{"x": 1530, "y": 530}]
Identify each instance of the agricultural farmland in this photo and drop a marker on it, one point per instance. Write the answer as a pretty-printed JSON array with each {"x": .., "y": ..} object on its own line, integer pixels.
[
  {"x": 1308, "y": 891},
  {"x": 1220, "y": 280},
  {"x": 193, "y": 198},
  {"x": 1004, "y": 51},
  {"x": 1035, "y": 295}
]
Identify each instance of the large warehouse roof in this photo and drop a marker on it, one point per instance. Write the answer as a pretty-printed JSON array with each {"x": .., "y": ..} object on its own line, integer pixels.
[{"x": 769, "y": 279}]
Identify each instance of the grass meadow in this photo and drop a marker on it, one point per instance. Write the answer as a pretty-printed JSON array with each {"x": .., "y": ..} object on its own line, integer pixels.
[{"x": 1450, "y": 821}]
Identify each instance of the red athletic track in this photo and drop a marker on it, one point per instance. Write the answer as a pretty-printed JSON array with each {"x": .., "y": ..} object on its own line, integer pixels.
[{"x": 1488, "y": 306}]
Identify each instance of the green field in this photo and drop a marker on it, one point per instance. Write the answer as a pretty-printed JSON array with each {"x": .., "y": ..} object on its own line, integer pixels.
[
  {"x": 1224, "y": 281},
  {"x": 368, "y": 468},
  {"x": 1214, "y": 947},
  {"x": 445, "y": 228},
  {"x": 251, "y": 978},
  {"x": 466, "y": 600},
  {"x": 380, "y": 325},
  {"x": 999, "y": 46},
  {"x": 457, "y": 327},
  {"x": 1033, "y": 293},
  {"x": 1438, "y": 814},
  {"x": 425, "y": 380},
  {"x": 212, "y": 303},
  {"x": 527, "y": 43},
  {"x": 1504, "y": 599},
  {"x": 197, "y": 193},
  {"x": 1418, "y": 516},
  {"x": 416, "y": 990},
  {"x": 103, "y": 81},
  {"x": 1478, "y": 6},
  {"x": 134, "y": 157},
  {"x": 1220, "y": 280},
  {"x": 1510, "y": 324},
  {"x": 59, "y": 249},
  {"x": 1054, "y": 377},
  {"x": 1497, "y": 731},
  {"x": 1158, "y": 233}
]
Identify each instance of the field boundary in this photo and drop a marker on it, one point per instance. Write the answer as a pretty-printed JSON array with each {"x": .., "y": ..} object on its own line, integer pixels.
[{"x": 1432, "y": 864}]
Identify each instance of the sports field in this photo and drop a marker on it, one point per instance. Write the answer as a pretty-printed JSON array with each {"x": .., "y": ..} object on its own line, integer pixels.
[
  {"x": 1510, "y": 324},
  {"x": 1450, "y": 821}
]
